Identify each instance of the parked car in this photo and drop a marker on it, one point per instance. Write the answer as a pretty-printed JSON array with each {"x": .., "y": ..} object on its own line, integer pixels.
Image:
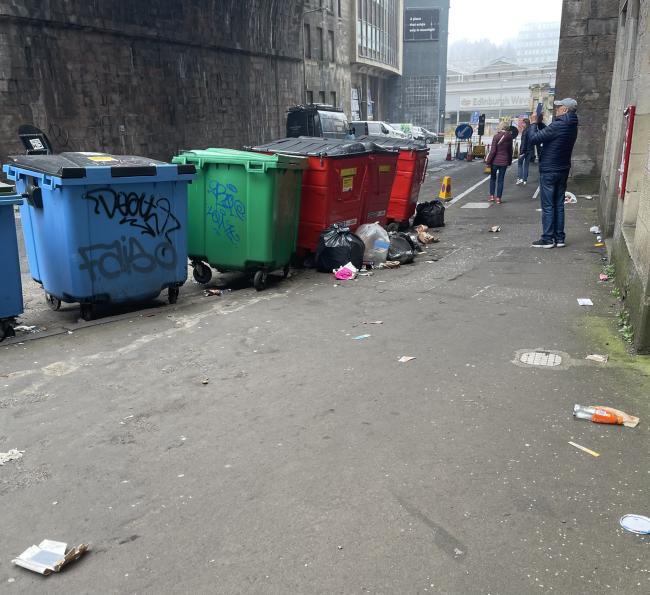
[
  {"x": 316, "y": 120},
  {"x": 421, "y": 133},
  {"x": 376, "y": 128}
]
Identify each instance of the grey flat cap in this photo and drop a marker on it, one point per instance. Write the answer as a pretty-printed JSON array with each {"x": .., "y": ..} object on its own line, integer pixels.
[{"x": 572, "y": 104}]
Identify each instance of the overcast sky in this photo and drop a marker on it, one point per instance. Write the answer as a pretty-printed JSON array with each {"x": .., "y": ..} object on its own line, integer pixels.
[{"x": 497, "y": 20}]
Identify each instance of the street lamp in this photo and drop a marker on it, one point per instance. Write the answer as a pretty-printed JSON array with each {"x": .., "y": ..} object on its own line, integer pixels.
[{"x": 302, "y": 32}]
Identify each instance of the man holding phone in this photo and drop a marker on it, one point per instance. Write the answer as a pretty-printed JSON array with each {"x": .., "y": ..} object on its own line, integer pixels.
[{"x": 558, "y": 139}]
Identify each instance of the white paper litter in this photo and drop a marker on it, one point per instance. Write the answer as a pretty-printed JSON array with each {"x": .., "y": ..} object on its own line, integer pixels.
[
  {"x": 597, "y": 357},
  {"x": 636, "y": 523},
  {"x": 12, "y": 455},
  {"x": 594, "y": 229},
  {"x": 405, "y": 358},
  {"x": 585, "y": 302},
  {"x": 48, "y": 556}
]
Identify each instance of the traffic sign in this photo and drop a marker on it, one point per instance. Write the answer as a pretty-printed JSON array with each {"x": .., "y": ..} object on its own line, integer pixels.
[{"x": 464, "y": 132}]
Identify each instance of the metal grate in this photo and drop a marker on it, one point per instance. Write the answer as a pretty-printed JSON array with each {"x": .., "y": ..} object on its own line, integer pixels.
[{"x": 540, "y": 358}]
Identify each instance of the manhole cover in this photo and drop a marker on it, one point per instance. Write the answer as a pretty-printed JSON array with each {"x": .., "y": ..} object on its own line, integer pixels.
[{"x": 540, "y": 358}]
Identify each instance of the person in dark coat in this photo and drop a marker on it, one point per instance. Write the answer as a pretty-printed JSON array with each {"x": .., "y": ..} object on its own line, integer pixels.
[
  {"x": 558, "y": 139},
  {"x": 525, "y": 150},
  {"x": 499, "y": 158}
]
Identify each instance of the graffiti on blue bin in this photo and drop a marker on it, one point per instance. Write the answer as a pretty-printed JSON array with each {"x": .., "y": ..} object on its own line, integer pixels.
[
  {"x": 226, "y": 210},
  {"x": 152, "y": 215},
  {"x": 126, "y": 256}
]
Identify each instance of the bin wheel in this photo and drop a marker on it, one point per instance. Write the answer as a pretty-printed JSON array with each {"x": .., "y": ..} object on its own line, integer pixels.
[
  {"x": 392, "y": 226},
  {"x": 87, "y": 311},
  {"x": 6, "y": 330},
  {"x": 202, "y": 273},
  {"x": 259, "y": 280},
  {"x": 52, "y": 302},
  {"x": 172, "y": 294},
  {"x": 285, "y": 271}
]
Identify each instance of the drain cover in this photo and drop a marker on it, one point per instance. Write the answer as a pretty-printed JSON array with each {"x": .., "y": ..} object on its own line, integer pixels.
[{"x": 540, "y": 358}]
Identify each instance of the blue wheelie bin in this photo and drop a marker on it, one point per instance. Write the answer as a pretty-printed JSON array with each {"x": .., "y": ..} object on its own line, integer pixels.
[
  {"x": 103, "y": 228},
  {"x": 11, "y": 289}
]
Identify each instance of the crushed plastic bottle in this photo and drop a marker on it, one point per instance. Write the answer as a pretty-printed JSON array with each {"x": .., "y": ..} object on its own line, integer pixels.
[{"x": 598, "y": 415}]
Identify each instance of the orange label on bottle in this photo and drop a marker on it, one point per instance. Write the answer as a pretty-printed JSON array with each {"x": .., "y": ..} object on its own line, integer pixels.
[{"x": 604, "y": 416}]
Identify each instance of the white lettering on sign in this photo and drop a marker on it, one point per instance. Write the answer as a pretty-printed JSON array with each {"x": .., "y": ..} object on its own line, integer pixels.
[{"x": 468, "y": 102}]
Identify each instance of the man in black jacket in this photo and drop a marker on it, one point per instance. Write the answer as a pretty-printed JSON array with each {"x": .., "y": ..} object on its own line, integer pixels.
[{"x": 557, "y": 139}]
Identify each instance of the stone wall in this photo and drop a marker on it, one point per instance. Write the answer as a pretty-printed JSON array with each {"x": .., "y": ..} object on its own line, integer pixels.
[
  {"x": 151, "y": 77},
  {"x": 584, "y": 72}
]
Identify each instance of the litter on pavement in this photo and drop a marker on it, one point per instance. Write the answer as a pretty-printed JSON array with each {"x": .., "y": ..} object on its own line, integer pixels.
[
  {"x": 361, "y": 337},
  {"x": 594, "y": 229},
  {"x": 603, "y": 277},
  {"x": 495, "y": 229},
  {"x": 374, "y": 322},
  {"x": 636, "y": 523},
  {"x": 570, "y": 198},
  {"x": 12, "y": 455},
  {"x": 49, "y": 556},
  {"x": 405, "y": 358},
  {"x": 597, "y": 357},
  {"x": 593, "y": 453},
  {"x": 605, "y": 415},
  {"x": 585, "y": 302},
  {"x": 347, "y": 271},
  {"x": 389, "y": 264}
]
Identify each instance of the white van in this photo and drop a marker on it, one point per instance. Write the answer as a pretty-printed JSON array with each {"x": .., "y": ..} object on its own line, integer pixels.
[{"x": 376, "y": 128}]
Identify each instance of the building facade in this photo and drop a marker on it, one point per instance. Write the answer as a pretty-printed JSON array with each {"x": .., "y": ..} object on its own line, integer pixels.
[
  {"x": 326, "y": 43},
  {"x": 96, "y": 76},
  {"x": 419, "y": 94},
  {"x": 500, "y": 89},
  {"x": 537, "y": 43},
  {"x": 624, "y": 198},
  {"x": 376, "y": 56}
]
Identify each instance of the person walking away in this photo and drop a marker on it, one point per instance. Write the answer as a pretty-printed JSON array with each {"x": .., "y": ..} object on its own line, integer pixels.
[
  {"x": 524, "y": 155},
  {"x": 558, "y": 139},
  {"x": 499, "y": 158}
]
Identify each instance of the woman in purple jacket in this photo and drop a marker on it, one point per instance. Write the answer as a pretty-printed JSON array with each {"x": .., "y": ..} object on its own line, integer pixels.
[{"x": 499, "y": 158}]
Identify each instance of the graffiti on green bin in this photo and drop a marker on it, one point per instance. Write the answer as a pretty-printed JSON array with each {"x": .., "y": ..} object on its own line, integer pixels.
[{"x": 225, "y": 210}]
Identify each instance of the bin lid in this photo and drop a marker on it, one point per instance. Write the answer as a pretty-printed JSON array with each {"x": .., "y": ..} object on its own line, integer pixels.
[
  {"x": 248, "y": 159},
  {"x": 401, "y": 144},
  {"x": 74, "y": 165},
  {"x": 314, "y": 147}
]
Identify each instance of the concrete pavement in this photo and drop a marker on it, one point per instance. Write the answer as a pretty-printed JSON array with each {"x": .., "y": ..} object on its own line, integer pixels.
[{"x": 314, "y": 463}]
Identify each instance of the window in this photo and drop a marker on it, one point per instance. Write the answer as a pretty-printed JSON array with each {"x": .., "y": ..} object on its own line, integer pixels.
[
  {"x": 307, "y": 42},
  {"x": 310, "y": 96},
  {"x": 330, "y": 36},
  {"x": 321, "y": 97},
  {"x": 333, "y": 98},
  {"x": 320, "y": 48}
]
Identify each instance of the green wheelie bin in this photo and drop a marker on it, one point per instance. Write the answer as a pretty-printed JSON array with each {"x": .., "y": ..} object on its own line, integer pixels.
[{"x": 243, "y": 212}]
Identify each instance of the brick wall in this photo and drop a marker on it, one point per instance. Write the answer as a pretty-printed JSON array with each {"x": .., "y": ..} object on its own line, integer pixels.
[{"x": 151, "y": 77}]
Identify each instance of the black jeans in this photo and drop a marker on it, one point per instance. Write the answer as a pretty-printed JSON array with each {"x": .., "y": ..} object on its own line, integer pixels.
[
  {"x": 552, "y": 187},
  {"x": 500, "y": 171}
]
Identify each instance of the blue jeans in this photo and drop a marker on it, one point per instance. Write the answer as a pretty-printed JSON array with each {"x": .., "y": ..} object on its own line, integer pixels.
[
  {"x": 522, "y": 167},
  {"x": 552, "y": 187},
  {"x": 500, "y": 171}
]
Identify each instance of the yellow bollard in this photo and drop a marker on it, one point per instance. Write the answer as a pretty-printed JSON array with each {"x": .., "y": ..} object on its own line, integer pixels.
[{"x": 445, "y": 188}]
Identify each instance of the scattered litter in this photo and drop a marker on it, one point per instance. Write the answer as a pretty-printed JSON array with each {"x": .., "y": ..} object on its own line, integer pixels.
[
  {"x": 570, "y": 198},
  {"x": 605, "y": 415},
  {"x": 594, "y": 229},
  {"x": 420, "y": 228},
  {"x": 430, "y": 261},
  {"x": 585, "y": 302},
  {"x": 205, "y": 381},
  {"x": 361, "y": 337},
  {"x": 389, "y": 264},
  {"x": 593, "y": 453},
  {"x": 636, "y": 523},
  {"x": 599, "y": 245},
  {"x": 599, "y": 238},
  {"x": 12, "y": 455},
  {"x": 339, "y": 547},
  {"x": 587, "y": 196},
  {"x": 495, "y": 229},
  {"x": 25, "y": 328},
  {"x": 214, "y": 291},
  {"x": 347, "y": 271},
  {"x": 374, "y": 322},
  {"x": 405, "y": 358},
  {"x": 366, "y": 274},
  {"x": 596, "y": 357},
  {"x": 603, "y": 277},
  {"x": 49, "y": 556}
]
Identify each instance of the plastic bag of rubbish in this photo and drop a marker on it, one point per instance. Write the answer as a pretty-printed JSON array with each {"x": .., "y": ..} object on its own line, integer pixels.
[
  {"x": 376, "y": 240},
  {"x": 336, "y": 247},
  {"x": 413, "y": 237},
  {"x": 400, "y": 249},
  {"x": 431, "y": 214}
]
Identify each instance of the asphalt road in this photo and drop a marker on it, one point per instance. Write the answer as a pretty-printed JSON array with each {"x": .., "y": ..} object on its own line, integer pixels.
[{"x": 249, "y": 444}]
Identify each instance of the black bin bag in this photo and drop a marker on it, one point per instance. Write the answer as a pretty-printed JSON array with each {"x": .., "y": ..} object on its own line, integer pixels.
[
  {"x": 336, "y": 247},
  {"x": 431, "y": 214},
  {"x": 400, "y": 248}
]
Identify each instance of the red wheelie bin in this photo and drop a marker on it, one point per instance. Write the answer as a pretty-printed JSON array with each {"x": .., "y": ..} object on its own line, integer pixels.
[
  {"x": 333, "y": 185},
  {"x": 382, "y": 168}
]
